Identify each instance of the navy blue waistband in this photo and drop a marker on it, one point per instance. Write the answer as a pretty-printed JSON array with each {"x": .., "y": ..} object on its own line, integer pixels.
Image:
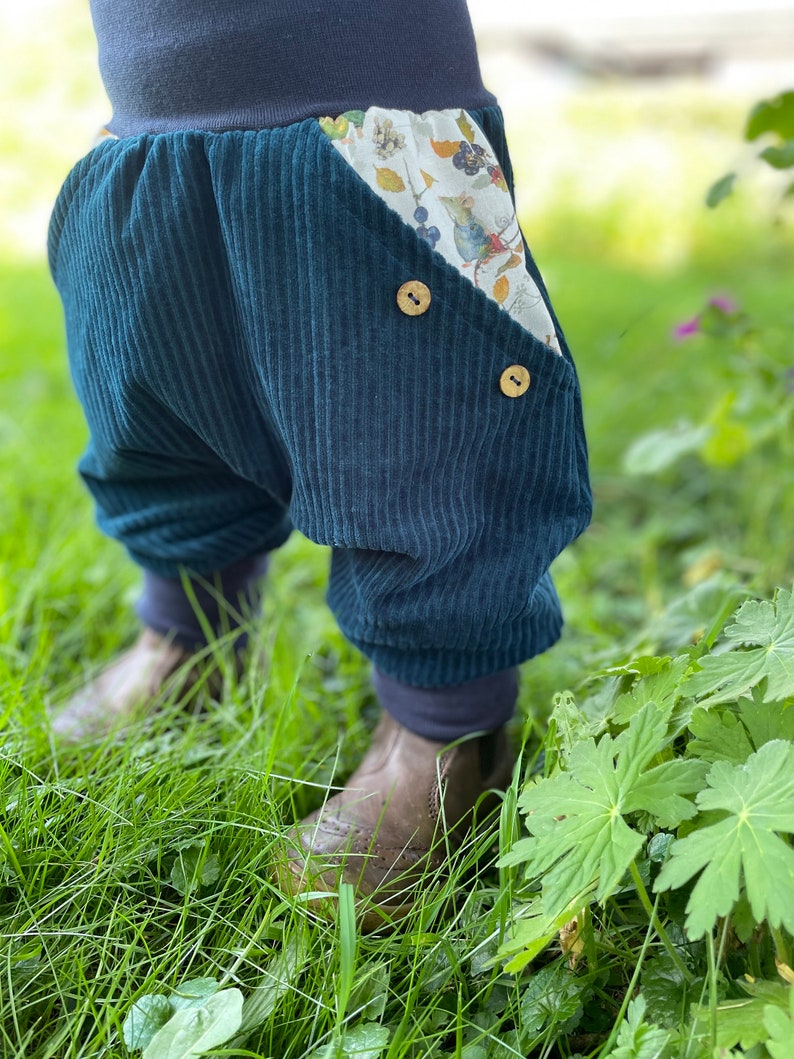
[{"x": 170, "y": 65}]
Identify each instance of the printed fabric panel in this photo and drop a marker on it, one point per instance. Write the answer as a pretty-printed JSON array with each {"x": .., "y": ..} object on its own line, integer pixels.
[{"x": 438, "y": 171}]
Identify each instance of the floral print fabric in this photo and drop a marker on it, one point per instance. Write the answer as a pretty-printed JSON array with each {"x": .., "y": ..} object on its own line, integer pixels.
[{"x": 440, "y": 174}]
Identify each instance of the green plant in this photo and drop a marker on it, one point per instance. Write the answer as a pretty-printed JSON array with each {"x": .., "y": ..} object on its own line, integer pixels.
[
  {"x": 671, "y": 777},
  {"x": 772, "y": 118},
  {"x": 752, "y": 409},
  {"x": 756, "y": 407}
]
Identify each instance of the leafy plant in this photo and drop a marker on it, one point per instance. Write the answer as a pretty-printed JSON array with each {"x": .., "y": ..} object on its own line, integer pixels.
[
  {"x": 192, "y": 1019},
  {"x": 636, "y": 1039},
  {"x": 580, "y": 818},
  {"x": 773, "y": 118},
  {"x": 193, "y": 868},
  {"x": 756, "y": 802},
  {"x": 690, "y": 797},
  {"x": 752, "y": 411},
  {"x": 755, "y": 409}
]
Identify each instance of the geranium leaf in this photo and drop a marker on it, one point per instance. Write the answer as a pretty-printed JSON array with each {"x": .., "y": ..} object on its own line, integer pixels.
[
  {"x": 770, "y": 626},
  {"x": 192, "y": 869},
  {"x": 532, "y": 933},
  {"x": 660, "y": 791},
  {"x": 659, "y": 686},
  {"x": 580, "y": 838},
  {"x": 766, "y": 721},
  {"x": 779, "y": 1024},
  {"x": 758, "y": 798},
  {"x": 738, "y": 1022},
  {"x": 638, "y": 1040},
  {"x": 718, "y": 737}
]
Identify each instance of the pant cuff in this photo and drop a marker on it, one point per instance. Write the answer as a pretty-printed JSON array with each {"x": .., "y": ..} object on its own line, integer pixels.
[
  {"x": 221, "y": 602},
  {"x": 448, "y": 713}
]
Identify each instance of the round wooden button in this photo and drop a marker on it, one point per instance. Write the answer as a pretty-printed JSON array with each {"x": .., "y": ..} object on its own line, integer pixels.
[
  {"x": 413, "y": 298},
  {"x": 514, "y": 380}
]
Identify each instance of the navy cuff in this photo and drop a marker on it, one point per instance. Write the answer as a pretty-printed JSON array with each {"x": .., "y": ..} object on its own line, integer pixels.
[
  {"x": 448, "y": 713},
  {"x": 223, "y": 600}
]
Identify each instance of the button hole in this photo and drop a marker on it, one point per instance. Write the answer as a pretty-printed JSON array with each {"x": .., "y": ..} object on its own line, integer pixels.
[
  {"x": 413, "y": 298},
  {"x": 513, "y": 379}
]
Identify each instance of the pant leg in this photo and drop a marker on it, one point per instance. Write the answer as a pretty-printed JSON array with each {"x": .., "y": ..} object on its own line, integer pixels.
[
  {"x": 183, "y": 463},
  {"x": 445, "y": 500}
]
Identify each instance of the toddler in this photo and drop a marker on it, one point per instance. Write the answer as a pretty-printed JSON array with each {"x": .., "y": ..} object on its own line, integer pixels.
[{"x": 296, "y": 295}]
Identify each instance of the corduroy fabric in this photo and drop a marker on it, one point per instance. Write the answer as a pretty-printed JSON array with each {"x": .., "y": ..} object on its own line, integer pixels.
[
  {"x": 169, "y": 65},
  {"x": 235, "y": 341}
]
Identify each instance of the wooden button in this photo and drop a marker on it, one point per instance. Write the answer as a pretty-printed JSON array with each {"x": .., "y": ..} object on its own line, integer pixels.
[
  {"x": 514, "y": 381},
  {"x": 413, "y": 298}
]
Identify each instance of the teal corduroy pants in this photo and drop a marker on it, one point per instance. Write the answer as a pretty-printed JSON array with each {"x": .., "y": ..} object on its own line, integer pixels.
[{"x": 237, "y": 344}]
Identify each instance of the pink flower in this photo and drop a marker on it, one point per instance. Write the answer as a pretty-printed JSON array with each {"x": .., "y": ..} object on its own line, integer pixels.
[
  {"x": 687, "y": 328},
  {"x": 720, "y": 301},
  {"x": 692, "y": 327}
]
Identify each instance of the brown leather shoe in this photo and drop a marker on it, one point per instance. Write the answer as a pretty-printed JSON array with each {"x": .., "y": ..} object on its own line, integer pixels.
[
  {"x": 125, "y": 690},
  {"x": 392, "y": 829}
]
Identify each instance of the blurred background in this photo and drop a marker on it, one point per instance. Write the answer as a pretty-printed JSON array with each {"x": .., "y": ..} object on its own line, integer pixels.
[
  {"x": 642, "y": 101},
  {"x": 620, "y": 116}
]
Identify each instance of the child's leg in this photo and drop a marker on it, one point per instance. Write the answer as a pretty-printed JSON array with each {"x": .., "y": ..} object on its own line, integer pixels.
[
  {"x": 410, "y": 802},
  {"x": 439, "y": 750},
  {"x": 459, "y": 474},
  {"x": 161, "y": 369},
  {"x": 180, "y": 616},
  {"x": 192, "y": 610}
]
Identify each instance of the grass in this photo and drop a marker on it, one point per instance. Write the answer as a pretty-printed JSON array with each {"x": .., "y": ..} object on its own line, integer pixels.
[
  {"x": 91, "y": 919},
  {"x": 90, "y": 916}
]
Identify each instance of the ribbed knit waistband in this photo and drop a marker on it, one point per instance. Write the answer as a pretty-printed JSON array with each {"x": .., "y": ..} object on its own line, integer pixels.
[{"x": 249, "y": 64}]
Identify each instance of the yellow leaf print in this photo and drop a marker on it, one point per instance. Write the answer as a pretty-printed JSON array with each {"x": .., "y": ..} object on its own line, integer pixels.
[
  {"x": 445, "y": 148},
  {"x": 389, "y": 180},
  {"x": 513, "y": 262},
  {"x": 429, "y": 180},
  {"x": 465, "y": 127},
  {"x": 501, "y": 289}
]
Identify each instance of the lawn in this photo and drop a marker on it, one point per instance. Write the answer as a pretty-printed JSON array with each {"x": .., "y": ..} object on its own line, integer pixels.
[{"x": 128, "y": 869}]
